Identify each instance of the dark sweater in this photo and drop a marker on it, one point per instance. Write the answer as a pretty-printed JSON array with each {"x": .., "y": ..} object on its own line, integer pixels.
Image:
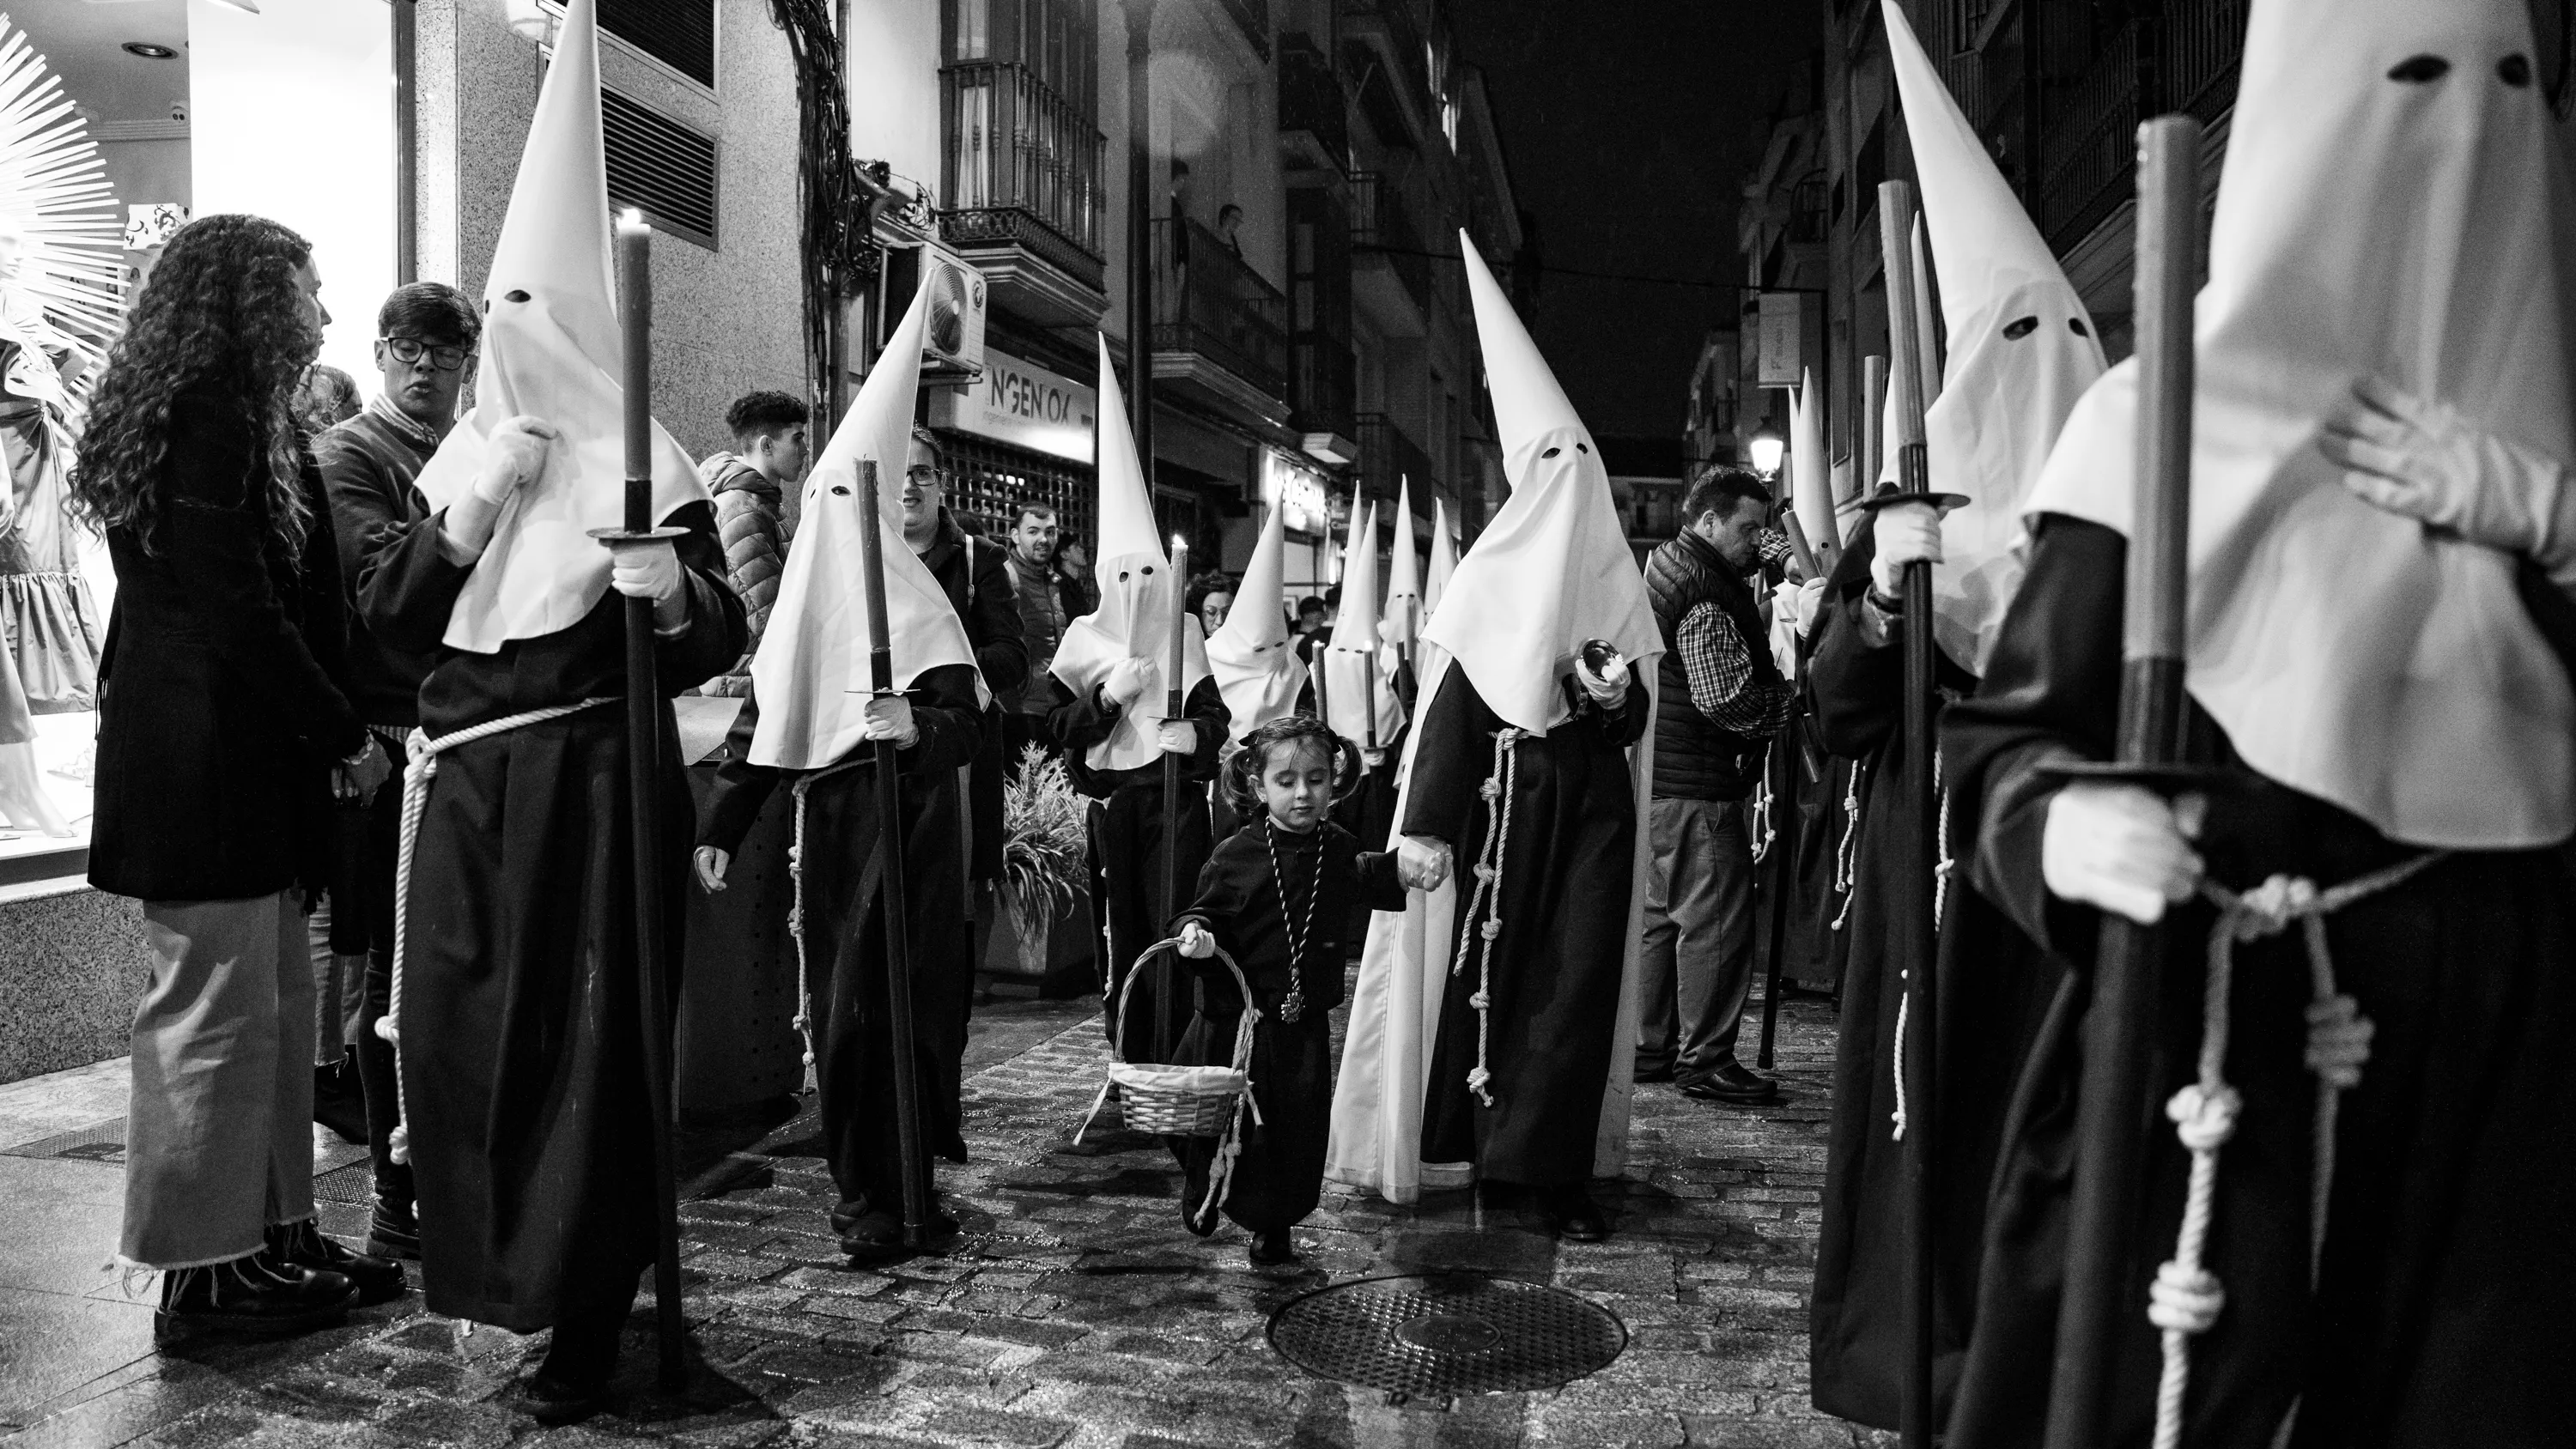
[
  {"x": 368, "y": 469},
  {"x": 1242, "y": 901}
]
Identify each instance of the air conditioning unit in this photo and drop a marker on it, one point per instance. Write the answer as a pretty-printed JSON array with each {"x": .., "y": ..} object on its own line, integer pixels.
[{"x": 952, "y": 338}]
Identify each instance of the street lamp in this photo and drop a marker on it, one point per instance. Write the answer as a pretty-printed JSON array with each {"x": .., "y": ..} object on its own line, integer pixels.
[{"x": 1766, "y": 448}]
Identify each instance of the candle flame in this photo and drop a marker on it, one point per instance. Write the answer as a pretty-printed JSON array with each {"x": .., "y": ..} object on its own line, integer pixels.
[
  {"x": 632, "y": 217},
  {"x": 1180, "y": 544}
]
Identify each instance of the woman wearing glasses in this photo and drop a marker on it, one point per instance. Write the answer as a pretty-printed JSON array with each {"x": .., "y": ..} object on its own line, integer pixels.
[{"x": 425, "y": 338}]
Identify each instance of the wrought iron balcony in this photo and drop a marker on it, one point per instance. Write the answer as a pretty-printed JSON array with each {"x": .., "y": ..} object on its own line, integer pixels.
[
  {"x": 1384, "y": 240},
  {"x": 1314, "y": 113},
  {"x": 1022, "y": 169},
  {"x": 1383, "y": 44},
  {"x": 1323, "y": 388},
  {"x": 2088, "y": 152},
  {"x": 1387, "y": 457},
  {"x": 1209, "y": 307}
]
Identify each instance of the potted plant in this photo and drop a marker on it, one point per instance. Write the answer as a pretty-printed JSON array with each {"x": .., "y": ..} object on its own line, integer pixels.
[{"x": 1045, "y": 866}]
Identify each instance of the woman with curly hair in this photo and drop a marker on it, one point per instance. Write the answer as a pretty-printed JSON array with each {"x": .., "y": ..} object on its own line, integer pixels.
[{"x": 220, "y": 721}]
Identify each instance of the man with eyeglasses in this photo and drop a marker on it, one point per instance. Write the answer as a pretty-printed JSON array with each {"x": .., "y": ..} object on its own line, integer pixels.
[
  {"x": 426, "y": 335},
  {"x": 976, "y": 575}
]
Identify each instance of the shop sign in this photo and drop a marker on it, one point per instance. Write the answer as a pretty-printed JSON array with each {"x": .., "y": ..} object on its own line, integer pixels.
[
  {"x": 1782, "y": 323},
  {"x": 1023, "y": 405},
  {"x": 1299, "y": 494}
]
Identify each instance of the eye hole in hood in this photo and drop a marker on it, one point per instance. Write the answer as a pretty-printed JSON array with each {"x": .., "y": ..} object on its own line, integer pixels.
[
  {"x": 2076, "y": 326},
  {"x": 514, "y": 295},
  {"x": 2019, "y": 328},
  {"x": 2419, "y": 69},
  {"x": 2515, "y": 70}
]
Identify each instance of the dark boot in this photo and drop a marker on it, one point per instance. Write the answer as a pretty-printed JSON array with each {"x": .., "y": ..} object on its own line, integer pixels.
[
  {"x": 394, "y": 1231},
  {"x": 572, "y": 1383},
  {"x": 302, "y": 1245},
  {"x": 1273, "y": 1249},
  {"x": 339, "y": 1101},
  {"x": 257, "y": 1295},
  {"x": 1571, "y": 1214}
]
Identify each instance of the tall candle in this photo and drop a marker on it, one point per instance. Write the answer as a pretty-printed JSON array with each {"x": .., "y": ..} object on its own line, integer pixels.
[
  {"x": 1180, "y": 624},
  {"x": 635, "y": 316}
]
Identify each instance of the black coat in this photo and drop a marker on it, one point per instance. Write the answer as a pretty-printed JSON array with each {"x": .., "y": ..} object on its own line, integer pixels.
[
  {"x": 220, "y": 711},
  {"x": 975, "y": 573}
]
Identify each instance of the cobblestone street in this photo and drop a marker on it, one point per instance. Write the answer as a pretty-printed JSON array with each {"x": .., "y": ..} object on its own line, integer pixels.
[{"x": 1075, "y": 1312}]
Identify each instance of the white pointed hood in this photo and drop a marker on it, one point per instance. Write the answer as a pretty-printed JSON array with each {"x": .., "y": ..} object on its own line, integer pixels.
[
  {"x": 2419, "y": 230},
  {"x": 1137, "y": 594},
  {"x": 551, "y": 348},
  {"x": 2021, "y": 351},
  {"x": 1811, "y": 472},
  {"x": 1252, "y": 653},
  {"x": 1404, "y": 614},
  {"x": 1444, "y": 557},
  {"x": 1553, "y": 569},
  {"x": 810, "y": 674},
  {"x": 1355, "y": 667}
]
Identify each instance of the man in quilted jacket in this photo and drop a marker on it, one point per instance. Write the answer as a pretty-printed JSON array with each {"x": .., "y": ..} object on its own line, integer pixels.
[{"x": 768, "y": 457}]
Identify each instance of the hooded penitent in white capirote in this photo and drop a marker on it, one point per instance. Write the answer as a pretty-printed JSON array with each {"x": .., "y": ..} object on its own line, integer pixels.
[
  {"x": 551, "y": 348},
  {"x": 1552, "y": 570},
  {"x": 1428, "y": 656},
  {"x": 2413, "y": 223},
  {"x": 1355, "y": 668},
  {"x": 2021, "y": 351},
  {"x": 811, "y": 672},
  {"x": 1401, "y": 621},
  {"x": 1251, "y": 654},
  {"x": 1137, "y": 591},
  {"x": 1810, "y": 471}
]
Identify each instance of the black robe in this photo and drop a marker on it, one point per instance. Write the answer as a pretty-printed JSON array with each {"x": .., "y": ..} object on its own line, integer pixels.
[
  {"x": 1279, "y": 1177},
  {"x": 1992, "y": 989},
  {"x": 845, "y": 970},
  {"x": 522, "y": 1048},
  {"x": 1568, "y": 868},
  {"x": 1128, "y": 890},
  {"x": 2442, "y": 1313}
]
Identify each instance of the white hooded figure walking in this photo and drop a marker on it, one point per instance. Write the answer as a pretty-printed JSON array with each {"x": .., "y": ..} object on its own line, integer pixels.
[
  {"x": 1251, "y": 654},
  {"x": 1491, "y": 1033},
  {"x": 2367, "y": 938}
]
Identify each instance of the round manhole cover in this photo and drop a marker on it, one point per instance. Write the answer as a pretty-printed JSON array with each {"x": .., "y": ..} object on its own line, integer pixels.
[{"x": 1444, "y": 1334}]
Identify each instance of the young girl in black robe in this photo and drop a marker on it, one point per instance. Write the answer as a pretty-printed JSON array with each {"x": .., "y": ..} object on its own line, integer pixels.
[{"x": 1273, "y": 895}]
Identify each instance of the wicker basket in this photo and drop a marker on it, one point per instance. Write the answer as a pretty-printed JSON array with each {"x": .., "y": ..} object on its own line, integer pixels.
[{"x": 1177, "y": 1101}]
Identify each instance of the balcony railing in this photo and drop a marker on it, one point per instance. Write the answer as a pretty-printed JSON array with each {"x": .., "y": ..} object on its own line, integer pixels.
[
  {"x": 1381, "y": 225},
  {"x": 2089, "y": 146},
  {"x": 1387, "y": 457},
  {"x": 1323, "y": 389},
  {"x": 1311, "y": 98},
  {"x": 1022, "y": 165},
  {"x": 1208, "y": 302}
]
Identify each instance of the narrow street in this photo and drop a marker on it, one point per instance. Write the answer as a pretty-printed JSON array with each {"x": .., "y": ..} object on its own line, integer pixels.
[{"x": 1076, "y": 1312}]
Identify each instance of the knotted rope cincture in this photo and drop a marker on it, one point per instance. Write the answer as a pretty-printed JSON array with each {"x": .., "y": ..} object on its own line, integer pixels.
[
  {"x": 419, "y": 768},
  {"x": 1763, "y": 830},
  {"x": 804, "y": 1022},
  {"x": 1847, "y": 854},
  {"x": 2187, "y": 1298},
  {"x": 1941, "y": 867},
  {"x": 1497, "y": 791},
  {"x": 1230, "y": 1147}
]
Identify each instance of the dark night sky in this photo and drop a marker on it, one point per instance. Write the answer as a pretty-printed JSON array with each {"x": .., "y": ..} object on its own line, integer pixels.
[{"x": 1629, "y": 126}]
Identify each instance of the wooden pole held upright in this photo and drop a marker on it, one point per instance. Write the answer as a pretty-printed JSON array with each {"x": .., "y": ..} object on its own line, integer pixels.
[
  {"x": 2104, "y": 1279},
  {"x": 1175, "y": 705}
]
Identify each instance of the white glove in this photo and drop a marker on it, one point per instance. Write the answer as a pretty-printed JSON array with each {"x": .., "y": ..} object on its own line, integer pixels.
[
  {"x": 1126, "y": 682},
  {"x": 1197, "y": 942},
  {"x": 1177, "y": 737},
  {"x": 649, "y": 568},
  {"x": 710, "y": 864},
  {"x": 1903, "y": 533},
  {"x": 2422, "y": 459},
  {"x": 1421, "y": 862},
  {"x": 889, "y": 717},
  {"x": 1374, "y": 759},
  {"x": 516, "y": 456},
  {"x": 2121, "y": 848},
  {"x": 1607, "y": 688},
  {"x": 1797, "y": 603}
]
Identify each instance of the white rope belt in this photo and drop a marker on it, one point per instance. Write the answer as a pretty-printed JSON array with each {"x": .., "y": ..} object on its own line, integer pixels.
[
  {"x": 1763, "y": 830},
  {"x": 1497, "y": 791},
  {"x": 1940, "y": 903},
  {"x": 420, "y": 768},
  {"x": 2187, "y": 1298},
  {"x": 796, "y": 903},
  {"x": 1847, "y": 854}
]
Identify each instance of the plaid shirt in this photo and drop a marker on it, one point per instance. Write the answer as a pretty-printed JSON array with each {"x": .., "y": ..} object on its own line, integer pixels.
[{"x": 1719, "y": 661}]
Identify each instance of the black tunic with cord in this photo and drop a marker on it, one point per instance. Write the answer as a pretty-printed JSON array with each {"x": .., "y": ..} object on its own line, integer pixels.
[
  {"x": 522, "y": 1043},
  {"x": 1128, "y": 891},
  {"x": 2441, "y": 1314},
  {"x": 1561, "y": 952},
  {"x": 844, "y": 927},
  {"x": 1286, "y": 935},
  {"x": 1993, "y": 988}
]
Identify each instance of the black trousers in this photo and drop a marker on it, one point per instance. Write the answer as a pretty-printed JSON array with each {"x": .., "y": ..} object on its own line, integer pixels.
[{"x": 1279, "y": 1172}]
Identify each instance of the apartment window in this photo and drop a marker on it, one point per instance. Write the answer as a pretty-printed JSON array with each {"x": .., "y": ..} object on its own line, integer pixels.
[{"x": 1056, "y": 40}]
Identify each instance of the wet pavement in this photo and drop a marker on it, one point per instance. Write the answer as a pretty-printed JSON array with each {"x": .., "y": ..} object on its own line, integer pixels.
[{"x": 1074, "y": 1312}]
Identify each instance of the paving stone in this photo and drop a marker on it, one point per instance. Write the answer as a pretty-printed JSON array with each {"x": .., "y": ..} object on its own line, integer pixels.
[{"x": 996, "y": 1426}]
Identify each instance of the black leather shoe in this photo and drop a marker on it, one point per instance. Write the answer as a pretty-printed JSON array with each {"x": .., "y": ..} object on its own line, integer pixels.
[
  {"x": 552, "y": 1401},
  {"x": 339, "y": 1103},
  {"x": 1571, "y": 1214},
  {"x": 1734, "y": 1084},
  {"x": 254, "y": 1295},
  {"x": 875, "y": 1237},
  {"x": 1272, "y": 1250},
  {"x": 394, "y": 1231},
  {"x": 301, "y": 1245}
]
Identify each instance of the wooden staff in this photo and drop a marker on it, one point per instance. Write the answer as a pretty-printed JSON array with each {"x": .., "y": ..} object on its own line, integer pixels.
[
  {"x": 1173, "y": 886},
  {"x": 1873, "y": 446},
  {"x": 1916, "y": 937},
  {"x": 1927, "y": 335},
  {"x": 644, "y": 708},
  {"x": 2120, "y": 1060}
]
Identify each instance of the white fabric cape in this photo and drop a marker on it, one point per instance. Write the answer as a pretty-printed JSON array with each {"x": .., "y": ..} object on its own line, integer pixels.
[
  {"x": 551, "y": 349},
  {"x": 1394, "y": 1022},
  {"x": 810, "y": 673},
  {"x": 1401, "y": 620},
  {"x": 1356, "y": 670},
  {"x": 1249, "y": 654},
  {"x": 2423, "y": 232}
]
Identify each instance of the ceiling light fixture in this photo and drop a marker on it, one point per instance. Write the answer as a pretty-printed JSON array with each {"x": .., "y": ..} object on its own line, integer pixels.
[{"x": 148, "y": 50}]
